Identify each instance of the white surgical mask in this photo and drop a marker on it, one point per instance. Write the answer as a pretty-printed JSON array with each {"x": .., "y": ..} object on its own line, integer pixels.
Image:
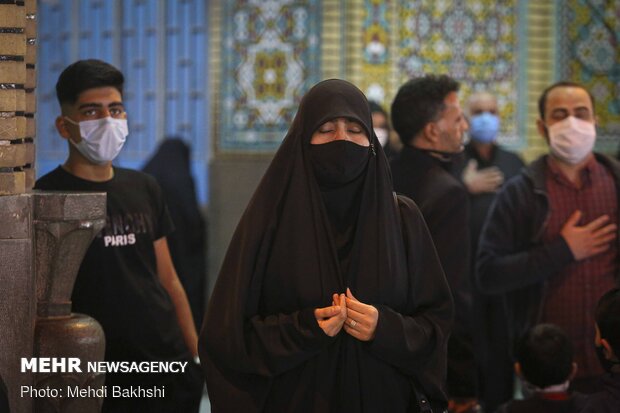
[
  {"x": 572, "y": 139},
  {"x": 102, "y": 139},
  {"x": 382, "y": 135}
]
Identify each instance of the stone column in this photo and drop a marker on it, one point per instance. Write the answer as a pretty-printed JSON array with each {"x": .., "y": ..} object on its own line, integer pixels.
[
  {"x": 43, "y": 238},
  {"x": 64, "y": 226},
  {"x": 17, "y": 296}
]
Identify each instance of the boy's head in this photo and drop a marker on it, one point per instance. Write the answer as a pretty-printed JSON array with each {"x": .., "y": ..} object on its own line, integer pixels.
[
  {"x": 93, "y": 118},
  {"x": 86, "y": 74},
  {"x": 545, "y": 356},
  {"x": 607, "y": 318}
]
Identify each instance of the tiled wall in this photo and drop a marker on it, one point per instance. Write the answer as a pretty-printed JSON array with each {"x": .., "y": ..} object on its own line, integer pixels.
[
  {"x": 228, "y": 75},
  {"x": 588, "y": 51}
]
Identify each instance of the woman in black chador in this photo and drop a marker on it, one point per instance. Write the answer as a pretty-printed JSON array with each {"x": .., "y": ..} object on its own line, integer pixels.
[
  {"x": 170, "y": 166},
  {"x": 331, "y": 297}
]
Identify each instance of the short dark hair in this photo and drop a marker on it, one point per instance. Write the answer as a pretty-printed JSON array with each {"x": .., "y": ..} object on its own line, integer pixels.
[
  {"x": 418, "y": 102},
  {"x": 607, "y": 318},
  {"x": 542, "y": 100},
  {"x": 86, "y": 74},
  {"x": 546, "y": 355}
]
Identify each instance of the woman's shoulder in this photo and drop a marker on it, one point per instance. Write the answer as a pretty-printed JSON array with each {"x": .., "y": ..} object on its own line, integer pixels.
[
  {"x": 405, "y": 202},
  {"x": 408, "y": 209}
]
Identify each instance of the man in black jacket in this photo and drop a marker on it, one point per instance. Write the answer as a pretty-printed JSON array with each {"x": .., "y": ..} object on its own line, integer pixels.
[
  {"x": 429, "y": 121},
  {"x": 549, "y": 244},
  {"x": 483, "y": 167}
]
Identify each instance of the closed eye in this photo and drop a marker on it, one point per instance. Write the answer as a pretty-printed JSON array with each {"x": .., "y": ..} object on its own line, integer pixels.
[
  {"x": 583, "y": 113},
  {"x": 327, "y": 127},
  {"x": 354, "y": 127}
]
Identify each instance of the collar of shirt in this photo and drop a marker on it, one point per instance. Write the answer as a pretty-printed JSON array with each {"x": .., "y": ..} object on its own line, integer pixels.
[
  {"x": 586, "y": 173},
  {"x": 554, "y": 392}
]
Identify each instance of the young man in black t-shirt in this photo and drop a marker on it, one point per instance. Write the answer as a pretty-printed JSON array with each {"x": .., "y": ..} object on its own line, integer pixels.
[{"x": 127, "y": 280}]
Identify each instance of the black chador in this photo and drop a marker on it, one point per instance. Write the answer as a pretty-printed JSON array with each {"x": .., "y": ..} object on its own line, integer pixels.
[{"x": 304, "y": 237}]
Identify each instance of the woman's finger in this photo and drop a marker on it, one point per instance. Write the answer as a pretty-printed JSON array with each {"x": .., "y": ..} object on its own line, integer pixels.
[
  {"x": 353, "y": 332},
  {"x": 350, "y": 295},
  {"x": 357, "y": 306},
  {"x": 354, "y": 324},
  {"x": 326, "y": 312},
  {"x": 336, "y": 299},
  {"x": 352, "y": 313},
  {"x": 358, "y": 334}
]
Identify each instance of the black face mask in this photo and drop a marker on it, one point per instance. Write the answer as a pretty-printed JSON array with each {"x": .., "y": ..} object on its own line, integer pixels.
[
  {"x": 338, "y": 162},
  {"x": 605, "y": 363}
]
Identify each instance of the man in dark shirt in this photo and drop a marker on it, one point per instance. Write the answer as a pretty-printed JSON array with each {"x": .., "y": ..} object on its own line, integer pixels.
[
  {"x": 127, "y": 281},
  {"x": 550, "y": 243},
  {"x": 429, "y": 121}
]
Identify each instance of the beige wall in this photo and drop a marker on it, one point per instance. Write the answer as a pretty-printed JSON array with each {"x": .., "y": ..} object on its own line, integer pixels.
[{"x": 17, "y": 97}]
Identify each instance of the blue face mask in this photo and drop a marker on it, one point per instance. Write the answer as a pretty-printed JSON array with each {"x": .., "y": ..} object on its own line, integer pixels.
[{"x": 484, "y": 127}]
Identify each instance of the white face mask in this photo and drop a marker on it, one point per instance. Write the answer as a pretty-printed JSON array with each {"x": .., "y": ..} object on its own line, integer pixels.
[
  {"x": 102, "y": 139},
  {"x": 382, "y": 135},
  {"x": 572, "y": 139}
]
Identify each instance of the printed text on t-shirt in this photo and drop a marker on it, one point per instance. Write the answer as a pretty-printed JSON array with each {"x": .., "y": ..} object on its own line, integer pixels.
[{"x": 121, "y": 229}]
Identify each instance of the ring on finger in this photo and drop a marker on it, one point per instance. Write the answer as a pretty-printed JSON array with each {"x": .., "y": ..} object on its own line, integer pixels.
[{"x": 353, "y": 323}]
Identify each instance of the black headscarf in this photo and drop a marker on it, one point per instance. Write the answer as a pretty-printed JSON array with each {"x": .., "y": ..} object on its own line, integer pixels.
[{"x": 260, "y": 340}]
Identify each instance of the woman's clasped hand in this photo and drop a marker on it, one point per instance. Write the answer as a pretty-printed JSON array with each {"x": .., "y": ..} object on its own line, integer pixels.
[{"x": 358, "y": 319}]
